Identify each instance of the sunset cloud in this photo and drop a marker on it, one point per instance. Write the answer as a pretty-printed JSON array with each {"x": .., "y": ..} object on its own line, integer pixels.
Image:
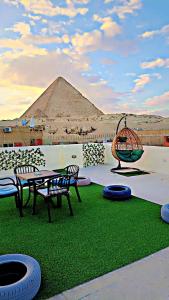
[
  {"x": 93, "y": 44},
  {"x": 162, "y": 31},
  {"x": 46, "y": 7},
  {"x": 157, "y": 63},
  {"x": 21, "y": 27},
  {"x": 140, "y": 82},
  {"x": 128, "y": 7},
  {"x": 40, "y": 72},
  {"x": 160, "y": 100},
  {"x": 22, "y": 96},
  {"x": 110, "y": 27}
]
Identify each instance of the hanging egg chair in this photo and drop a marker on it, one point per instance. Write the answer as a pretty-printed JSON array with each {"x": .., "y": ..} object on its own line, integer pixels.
[{"x": 126, "y": 145}]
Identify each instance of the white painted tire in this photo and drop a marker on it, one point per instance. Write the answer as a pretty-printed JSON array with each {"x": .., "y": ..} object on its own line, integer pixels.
[
  {"x": 82, "y": 181},
  {"x": 27, "y": 287}
]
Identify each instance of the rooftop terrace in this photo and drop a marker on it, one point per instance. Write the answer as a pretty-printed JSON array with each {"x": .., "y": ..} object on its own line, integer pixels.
[{"x": 137, "y": 249}]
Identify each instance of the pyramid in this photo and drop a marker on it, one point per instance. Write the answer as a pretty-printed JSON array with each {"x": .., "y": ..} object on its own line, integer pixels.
[{"x": 61, "y": 99}]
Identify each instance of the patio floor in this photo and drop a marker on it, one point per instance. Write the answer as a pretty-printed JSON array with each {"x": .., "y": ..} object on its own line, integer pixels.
[
  {"x": 145, "y": 279},
  {"x": 153, "y": 187}
]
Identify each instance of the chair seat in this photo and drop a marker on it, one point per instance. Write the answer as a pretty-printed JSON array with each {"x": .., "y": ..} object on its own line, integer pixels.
[
  {"x": 72, "y": 181},
  {"x": 24, "y": 182},
  {"x": 54, "y": 191},
  {"x": 8, "y": 190}
]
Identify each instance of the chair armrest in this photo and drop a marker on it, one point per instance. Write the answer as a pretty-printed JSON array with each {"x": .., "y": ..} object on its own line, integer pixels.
[
  {"x": 46, "y": 182},
  {"x": 9, "y": 179}
]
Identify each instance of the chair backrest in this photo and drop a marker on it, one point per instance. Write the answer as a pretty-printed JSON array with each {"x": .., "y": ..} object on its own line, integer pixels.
[
  {"x": 25, "y": 169},
  {"x": 72, "y": 170},
  {"x": 61, "y": 184}
]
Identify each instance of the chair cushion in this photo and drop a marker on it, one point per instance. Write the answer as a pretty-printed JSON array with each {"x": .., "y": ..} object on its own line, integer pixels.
[
  {"x": 72, "y": 182},
  {"x": 64, "y": 182},
  {"x": 8, "y": 190},
  {"x": 54, "y": 191},
  {"x": 24, "y": 182}
]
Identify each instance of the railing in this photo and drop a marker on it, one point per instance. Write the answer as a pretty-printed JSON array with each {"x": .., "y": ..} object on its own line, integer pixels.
[{"x": 80, "y": 139}]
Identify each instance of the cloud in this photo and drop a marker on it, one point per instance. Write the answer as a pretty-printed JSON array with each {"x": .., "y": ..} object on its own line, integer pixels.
[
  {"x": 140, "y": 82},
  {"x": 96, "y": 40},
  {"x": 53, "y": 27},
  {"x": 108, "y": 1},
  {"x": 81, "y": 1},
  {"x": 11, "y": 2},
  {"x": 110, "y": 27},
  {"x": 149, "y": 34},
  {"x": 160, "y": 100},
  {"x": 128, "y": 7},
  {"x": 20, "y": 48},
  {"x": 16, "y": 99},
  {"x": 21, "y": 27},
  {"x": 46, "y": 7},
  {"x": 26, "y": 44},
  {"x": 40, "y": 72},
  {"x": 157, "y": 75},
  {"x": 32, "y": 17},
  {"x": 157, "y": 63}
]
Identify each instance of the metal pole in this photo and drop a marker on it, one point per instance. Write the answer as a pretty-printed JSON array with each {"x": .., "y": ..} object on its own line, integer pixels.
[{"x": 117, "y": 129}]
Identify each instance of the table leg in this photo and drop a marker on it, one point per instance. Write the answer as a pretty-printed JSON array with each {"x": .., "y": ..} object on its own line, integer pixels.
[
  {"x": 34, "y": 198},
  {"x": 59, "y": 201}
]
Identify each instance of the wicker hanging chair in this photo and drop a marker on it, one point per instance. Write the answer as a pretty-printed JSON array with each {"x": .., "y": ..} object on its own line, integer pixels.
[{"x": 127, "y": 146}]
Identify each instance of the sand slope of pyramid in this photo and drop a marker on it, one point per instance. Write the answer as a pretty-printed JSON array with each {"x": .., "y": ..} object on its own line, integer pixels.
[{"x": 61, "y": 99}]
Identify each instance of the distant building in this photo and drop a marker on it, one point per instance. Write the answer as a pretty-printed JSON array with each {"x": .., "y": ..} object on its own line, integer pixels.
[{"x": 20, "y": 136}]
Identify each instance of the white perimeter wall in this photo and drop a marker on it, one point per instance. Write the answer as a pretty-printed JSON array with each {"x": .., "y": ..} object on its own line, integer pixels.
[{"x": 155, "y": 159}]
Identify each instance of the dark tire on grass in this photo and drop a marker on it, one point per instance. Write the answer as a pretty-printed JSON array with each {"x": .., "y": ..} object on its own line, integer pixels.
[
  {"x": 117, "y": 192},
  {"x": 20, "y": 277}
]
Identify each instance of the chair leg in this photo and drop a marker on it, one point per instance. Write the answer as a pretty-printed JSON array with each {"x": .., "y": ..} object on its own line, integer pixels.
[
  {"x": 16, "y": 201},
  {"x": 27, "y": 201},
  {"x": 19, "y": 202},
  {"x": 69, "y": 203},
  {"x": 49, "y": 214},
  {"x": 21, "y": 196},
  {"x": 34, "y": 202},
  {"x": 77, "y": 192}
]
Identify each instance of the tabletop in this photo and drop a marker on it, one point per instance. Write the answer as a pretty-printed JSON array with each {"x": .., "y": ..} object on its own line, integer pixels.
[{"x": 42, "y": 174}]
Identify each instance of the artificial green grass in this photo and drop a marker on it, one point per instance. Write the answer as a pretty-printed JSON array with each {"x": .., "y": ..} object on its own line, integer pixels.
[{"x": 102, "y": 236}]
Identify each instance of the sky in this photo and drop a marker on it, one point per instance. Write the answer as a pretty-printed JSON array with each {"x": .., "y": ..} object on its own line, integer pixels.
[{"x": 115, "y": 52}]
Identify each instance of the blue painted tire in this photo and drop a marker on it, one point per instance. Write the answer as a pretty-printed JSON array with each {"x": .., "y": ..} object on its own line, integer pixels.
[
  {"x": 165, "y": 212},
  {"x": 27, "y": 287},
  {"x": 117, "y": 192}
]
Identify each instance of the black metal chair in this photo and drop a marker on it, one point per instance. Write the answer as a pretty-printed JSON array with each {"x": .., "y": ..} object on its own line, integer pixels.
[
  {"x": 54, "y": 188},
  {"x": 9, "y": 188},
  {"x": 73, "y": 172},
  {"x": 24, "y": 183}
]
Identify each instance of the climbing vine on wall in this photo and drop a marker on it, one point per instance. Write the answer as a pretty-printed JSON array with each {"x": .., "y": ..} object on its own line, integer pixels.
[
  {"x": 93, "y": 154},
  {"x": 11, "y": 159}
]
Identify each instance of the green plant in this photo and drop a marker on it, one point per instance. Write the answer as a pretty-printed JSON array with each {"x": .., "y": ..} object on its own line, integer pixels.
[
  {"x": 93, "y": 154},
  {"x": 12, "y": 158}
]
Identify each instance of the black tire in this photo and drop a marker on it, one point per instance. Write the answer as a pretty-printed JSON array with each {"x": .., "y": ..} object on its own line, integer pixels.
[{"x": 117, "y": 192}]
